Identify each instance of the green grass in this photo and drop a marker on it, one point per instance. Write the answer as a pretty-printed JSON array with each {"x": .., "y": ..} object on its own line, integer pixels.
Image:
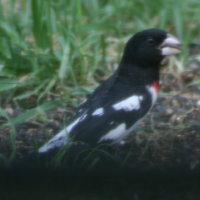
[{"x": 57, "y": 50}]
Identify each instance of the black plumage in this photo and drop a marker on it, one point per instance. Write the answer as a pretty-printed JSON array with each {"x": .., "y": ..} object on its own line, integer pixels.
[{"x": 116, "y": 106}]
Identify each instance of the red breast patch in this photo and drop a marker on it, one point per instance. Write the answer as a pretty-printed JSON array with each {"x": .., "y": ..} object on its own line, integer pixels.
[{"x": 156, "y": 86}]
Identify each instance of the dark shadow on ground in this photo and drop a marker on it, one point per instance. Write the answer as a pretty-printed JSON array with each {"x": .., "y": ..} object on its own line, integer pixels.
[{"x": 160, "y": 161}]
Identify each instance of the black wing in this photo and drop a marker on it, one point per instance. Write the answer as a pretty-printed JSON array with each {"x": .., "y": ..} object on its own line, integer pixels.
[{"x": 92, "y": 128}]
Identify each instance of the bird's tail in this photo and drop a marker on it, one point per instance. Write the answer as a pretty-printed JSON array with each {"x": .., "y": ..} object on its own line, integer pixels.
[{"x": 57, "y": 141}]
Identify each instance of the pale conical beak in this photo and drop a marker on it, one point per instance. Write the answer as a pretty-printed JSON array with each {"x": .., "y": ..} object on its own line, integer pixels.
[{"x": 170, "y": 46}]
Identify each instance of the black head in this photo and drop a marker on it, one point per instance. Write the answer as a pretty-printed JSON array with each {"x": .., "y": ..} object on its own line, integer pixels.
[{"x": 148, "y": 47}]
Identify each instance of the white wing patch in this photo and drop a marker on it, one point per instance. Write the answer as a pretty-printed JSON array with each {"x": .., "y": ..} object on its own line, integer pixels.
[
  {"x": 71, "y": 126},
  {"x": 61, "y": 138},
  {"x": 98, "y": 112},
  {"x": 116, "y": 133},
  {"x": 112, "y": 122},
  {"x": 129, "y": 104},
  {"x": 80, "y": 119}
]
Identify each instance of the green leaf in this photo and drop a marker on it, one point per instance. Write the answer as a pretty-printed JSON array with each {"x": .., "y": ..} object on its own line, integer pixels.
[
  {"x": 40, "y": 109},
  {"x": 196, "y": 82},
  {"x": 31, "y": 93},
  {"x": 8, "y": 84},
  {"x": 64, "y": 65}
]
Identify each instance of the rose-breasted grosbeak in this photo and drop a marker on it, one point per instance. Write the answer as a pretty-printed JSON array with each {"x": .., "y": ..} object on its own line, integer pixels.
[{"x": 115, "y": 107}]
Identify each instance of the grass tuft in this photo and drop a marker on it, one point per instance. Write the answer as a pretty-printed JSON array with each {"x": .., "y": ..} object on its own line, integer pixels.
[{"x": 54, "y": 51}]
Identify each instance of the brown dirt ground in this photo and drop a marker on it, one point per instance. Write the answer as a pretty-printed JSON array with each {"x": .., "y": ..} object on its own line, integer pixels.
[
  {"x": 170, "y": 134},
  {"x": 168, "y": 140}
]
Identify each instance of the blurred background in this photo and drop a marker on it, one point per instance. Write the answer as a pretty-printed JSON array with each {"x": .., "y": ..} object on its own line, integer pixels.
[{"x": 54, "y": 52}]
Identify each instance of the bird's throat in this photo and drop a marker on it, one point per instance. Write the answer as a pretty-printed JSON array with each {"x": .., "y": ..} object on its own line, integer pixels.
[{"x": 140, "y": 75}]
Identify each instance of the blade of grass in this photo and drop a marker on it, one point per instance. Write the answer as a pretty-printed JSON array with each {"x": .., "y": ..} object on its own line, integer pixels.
[
  {"x": 40, "y": 109},
  {"x": 64, "y": 64},
  {"x": 12, "y": 134}
]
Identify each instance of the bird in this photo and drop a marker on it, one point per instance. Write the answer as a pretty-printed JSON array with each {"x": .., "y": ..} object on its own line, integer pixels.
[{"x": 114, "y": 109}]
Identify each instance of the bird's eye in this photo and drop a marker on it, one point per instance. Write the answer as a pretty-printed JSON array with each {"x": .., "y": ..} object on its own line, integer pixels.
[{"x": 151, "y": 41}]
